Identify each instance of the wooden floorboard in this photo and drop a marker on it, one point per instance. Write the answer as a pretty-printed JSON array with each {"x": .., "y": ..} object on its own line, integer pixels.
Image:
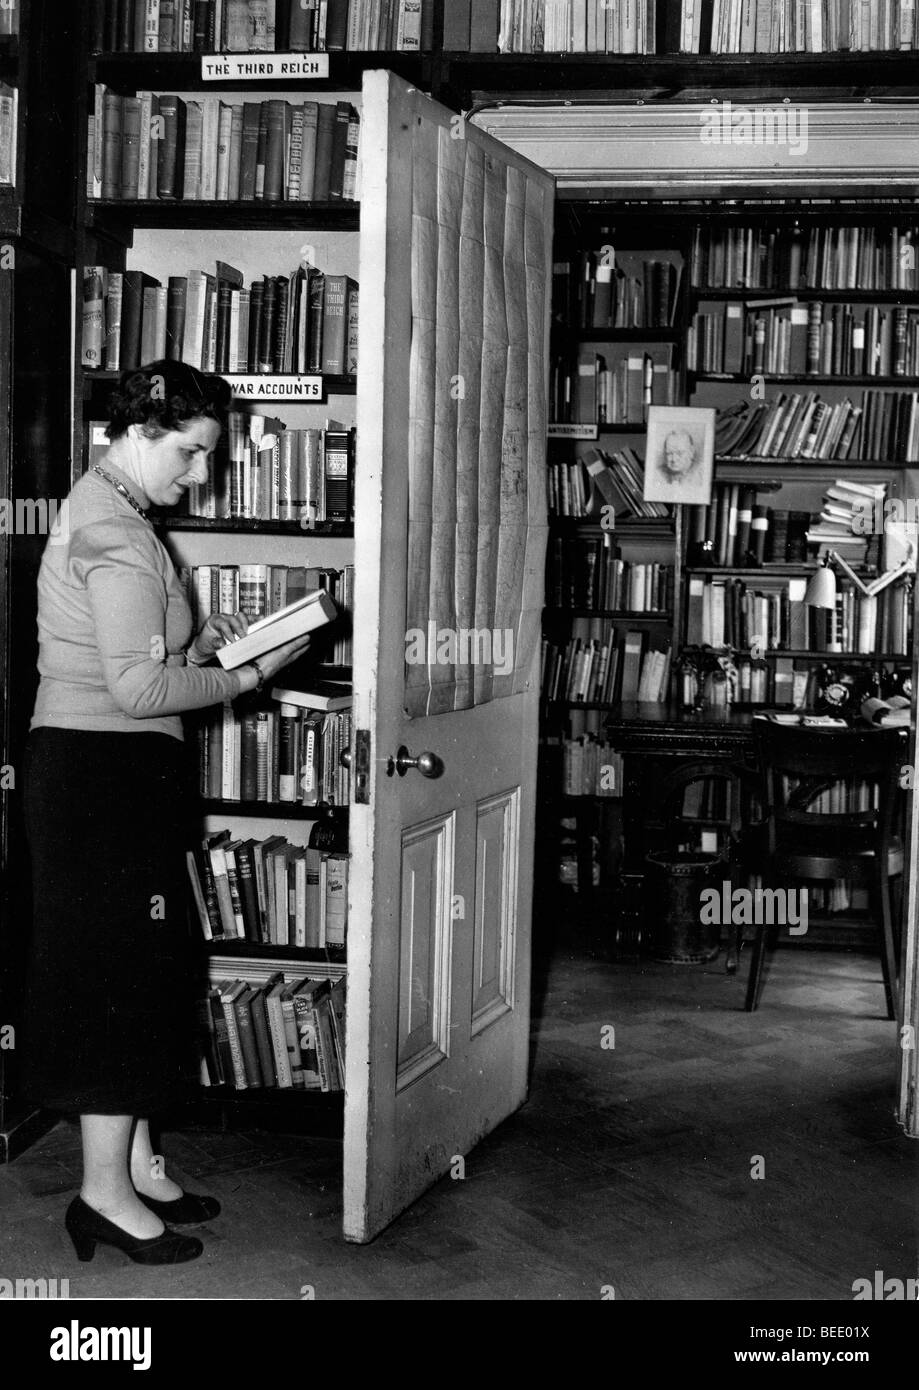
[{"x": 628, "y": 1166}]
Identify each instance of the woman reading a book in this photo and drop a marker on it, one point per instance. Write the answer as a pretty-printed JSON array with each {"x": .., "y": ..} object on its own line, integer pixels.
[{"x": 110, "y": 1004}]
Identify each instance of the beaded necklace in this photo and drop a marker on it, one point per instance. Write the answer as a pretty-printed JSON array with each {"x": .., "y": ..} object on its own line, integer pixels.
[{"x": 120, "y": 487}]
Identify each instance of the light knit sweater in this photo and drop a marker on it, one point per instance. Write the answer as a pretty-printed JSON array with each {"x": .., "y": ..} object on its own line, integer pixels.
[{"x": 114, "y": 622}]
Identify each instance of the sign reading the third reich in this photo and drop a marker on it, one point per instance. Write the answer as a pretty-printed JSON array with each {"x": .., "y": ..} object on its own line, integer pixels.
[{"x": 263, "y": 67}]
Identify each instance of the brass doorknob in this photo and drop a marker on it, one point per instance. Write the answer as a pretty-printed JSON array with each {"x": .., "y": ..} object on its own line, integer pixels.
[
  {"x": 428, "y": 764},
  {"x": 344, "y": 758}
]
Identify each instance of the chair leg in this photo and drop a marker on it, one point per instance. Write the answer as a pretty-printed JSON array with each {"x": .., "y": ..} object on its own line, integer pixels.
[
  {"x": 757, "y": 958},
  {"x": 888, "y": 951}
]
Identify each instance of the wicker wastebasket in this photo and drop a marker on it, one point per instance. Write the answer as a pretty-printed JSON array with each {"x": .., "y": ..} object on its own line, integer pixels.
[{"x": 676, "y": 881}]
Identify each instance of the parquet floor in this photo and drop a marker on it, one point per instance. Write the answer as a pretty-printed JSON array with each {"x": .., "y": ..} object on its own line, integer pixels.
[{"x": 630, "y": 1166}]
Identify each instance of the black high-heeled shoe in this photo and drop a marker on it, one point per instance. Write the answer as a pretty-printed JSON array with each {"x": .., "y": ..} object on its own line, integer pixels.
[
  {"x": 186, "y": 1210},
  {"x": 87, "y": 1228}
]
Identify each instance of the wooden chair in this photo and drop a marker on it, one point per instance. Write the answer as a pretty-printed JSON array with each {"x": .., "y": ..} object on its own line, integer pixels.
[{"x": 798, "y": 763}]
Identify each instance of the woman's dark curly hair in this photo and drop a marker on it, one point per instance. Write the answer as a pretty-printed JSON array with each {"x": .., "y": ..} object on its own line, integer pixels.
[{"x": 164, "y": 396}]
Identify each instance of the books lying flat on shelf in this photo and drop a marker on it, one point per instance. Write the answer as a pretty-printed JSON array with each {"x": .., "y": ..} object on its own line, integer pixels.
[
  {"x": 268, "y": 633},
  {"x": 323, "y": 695}
]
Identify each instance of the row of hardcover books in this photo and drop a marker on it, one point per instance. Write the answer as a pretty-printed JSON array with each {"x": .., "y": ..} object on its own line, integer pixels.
[
  {"x": 771, "y": 614},
  {"x": 815, "y": 257},
  {"x": 269, "y": 891},
  {"x": 258, "y": 589},
  {"x": 584, "y": 573},
  {"x": 590, "y": 768},
  {"x": 798, "y": 339},
  {"x": 9, "y": 18},
  {"x": 735, "y": 529},
  {"x": 597, "y": 666},
  {"x": 276, "y": 1034},
  {"x": 883, "y": 427},
  {"x": 609, "y": 289},
  {"x": 702, "y": 26},
  {"x": 583, "y": 487},
  {"x": 588, "y": 390},
  {"x": 276, "y": 474},
  {"x": 301, "y": 322},
  {"x": 9, "y": 104},
  {"x": 280, "y": 754},
  {"x": 262, "y": 26},
  {"x": 147, "y": 146}
]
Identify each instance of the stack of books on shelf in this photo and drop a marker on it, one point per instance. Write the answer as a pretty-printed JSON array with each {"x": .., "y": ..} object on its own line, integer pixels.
[
  {"x": 585, "y": 487},
  {"x": 792, "y": 26},
  {"x": 841, "y": 525},
  {"x": 9, "y": 105},
  {"x": 785, "y": 337},
  {"x": 269, "y": 891},
  {"x": 302, "y": 322},
  {"x": 276, "y": 1034},
  {"x": 607, "y": 288},
  {"x": 148, "y": 146},
  {"x": 261, "y": 26},
  {"x": 590, "y": 768},
  {"x": 585, "y": 573},
  {"x": 757, "y": 257},
  {"x": 259, "y": 590},
  {"x": 589, "y": 389},
  {"x": 595, "y": 667}
]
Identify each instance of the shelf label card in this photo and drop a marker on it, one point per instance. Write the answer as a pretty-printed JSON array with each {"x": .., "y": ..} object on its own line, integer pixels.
[
  {"x": 263, "y": 67},
  {"x": 276, "y": 388},
  {"x": 561, "y": 431}
]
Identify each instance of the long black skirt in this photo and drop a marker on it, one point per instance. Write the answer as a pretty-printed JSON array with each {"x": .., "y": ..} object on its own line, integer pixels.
[{"x": 113, "y": 970}]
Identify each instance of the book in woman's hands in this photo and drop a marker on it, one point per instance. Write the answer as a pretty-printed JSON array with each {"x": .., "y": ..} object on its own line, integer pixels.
[{"x": 266, "y": 634}]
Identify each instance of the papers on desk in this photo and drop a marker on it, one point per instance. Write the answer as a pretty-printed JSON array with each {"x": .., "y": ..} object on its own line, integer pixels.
[
  {"x": 892, "y": 713},
  {"x": 814, "y": 721}
]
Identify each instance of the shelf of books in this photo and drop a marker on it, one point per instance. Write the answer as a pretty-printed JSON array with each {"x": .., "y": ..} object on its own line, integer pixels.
[{"x": 166, "y": 275}]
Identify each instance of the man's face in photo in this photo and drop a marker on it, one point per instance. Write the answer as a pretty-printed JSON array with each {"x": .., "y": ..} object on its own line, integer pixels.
[{"x": 679, "y": 452}]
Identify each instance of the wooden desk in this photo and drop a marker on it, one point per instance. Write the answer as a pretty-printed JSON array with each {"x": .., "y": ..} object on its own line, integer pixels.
[{"x": 664, "y": 748}]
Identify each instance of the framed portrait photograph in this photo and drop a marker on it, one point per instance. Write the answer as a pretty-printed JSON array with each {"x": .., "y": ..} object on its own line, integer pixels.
[{"x": 680, "y": 454}]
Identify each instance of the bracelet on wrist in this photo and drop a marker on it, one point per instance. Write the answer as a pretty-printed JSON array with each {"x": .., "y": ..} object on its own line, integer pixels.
[{"x": 260, "y": 681}]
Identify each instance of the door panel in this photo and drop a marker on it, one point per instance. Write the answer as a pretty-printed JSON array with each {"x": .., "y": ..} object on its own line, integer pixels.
[{"x": 450, "y": 538}]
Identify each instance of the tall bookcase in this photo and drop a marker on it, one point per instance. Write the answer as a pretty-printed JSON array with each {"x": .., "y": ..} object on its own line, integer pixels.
[
  {"x": 168, "y": 238},
  {"x": 36, "y": 255},
  {"x": 579, "y": 773}
]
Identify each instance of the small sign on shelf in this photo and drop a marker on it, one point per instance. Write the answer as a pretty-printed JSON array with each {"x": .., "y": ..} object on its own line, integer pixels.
[
  {"x": 263, "y": 67},
  {"x": 275, "y": 388},
  {"x": 563, "y": 431}
]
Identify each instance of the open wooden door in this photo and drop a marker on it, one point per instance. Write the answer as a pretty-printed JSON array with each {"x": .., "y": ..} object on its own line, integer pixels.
[{"x": 455, "y": 276}]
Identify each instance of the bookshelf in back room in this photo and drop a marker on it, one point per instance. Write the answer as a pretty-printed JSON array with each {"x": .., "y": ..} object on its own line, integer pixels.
[
  {"x": 258, "y": 541},
  {"x": 804, "y": 335},
  {"x": 611, "y": 581}
]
